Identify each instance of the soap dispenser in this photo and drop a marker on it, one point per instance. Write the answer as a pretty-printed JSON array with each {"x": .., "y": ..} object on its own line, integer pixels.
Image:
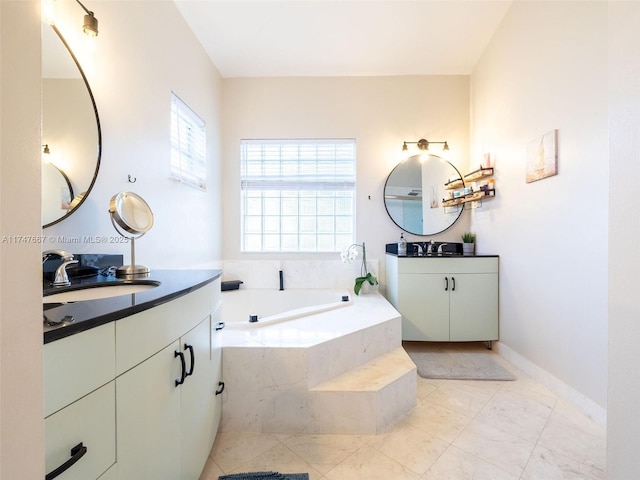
[{"x": 402, "y": 245}]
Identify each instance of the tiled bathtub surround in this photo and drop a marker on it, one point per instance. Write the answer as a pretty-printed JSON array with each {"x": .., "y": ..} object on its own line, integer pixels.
[
  {"x": 297, "y": 273},
  {"x": 341, "y": 371}
]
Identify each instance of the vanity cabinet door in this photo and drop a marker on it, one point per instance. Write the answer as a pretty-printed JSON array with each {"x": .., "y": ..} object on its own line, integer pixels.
[
  {"x": 423, "y": 300},
  {"x": 217, "y": 326},
  {"x": 196, "y": 400},
  {"x": 474, "y": 307},
  {"x": 148, "y": 420}
]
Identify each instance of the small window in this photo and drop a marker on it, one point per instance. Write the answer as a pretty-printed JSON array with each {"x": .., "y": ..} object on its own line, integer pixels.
[
  {"x": 297, "y": 195},
  {"x": 188, "y": 145}
]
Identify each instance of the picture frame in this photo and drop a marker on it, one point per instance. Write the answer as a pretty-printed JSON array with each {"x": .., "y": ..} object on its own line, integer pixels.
[{"x": 542, "y": 157}]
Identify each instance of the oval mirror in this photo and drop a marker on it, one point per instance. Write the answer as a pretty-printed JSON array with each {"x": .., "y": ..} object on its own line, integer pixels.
[
  {"x": 70, "y": 129},
  {"x": 414, "y": 191}
]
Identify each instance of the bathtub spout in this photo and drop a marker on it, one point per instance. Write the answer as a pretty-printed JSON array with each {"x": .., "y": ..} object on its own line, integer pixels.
[{"x": 281, "y": 280}]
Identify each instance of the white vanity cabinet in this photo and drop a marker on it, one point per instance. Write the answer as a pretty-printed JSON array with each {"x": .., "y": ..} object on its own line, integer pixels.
[
  {"x": 444, "y": 299},
  {"x": 79, "y": 403},
  {"x": 137, "y": 398},
  {"x": 166, "y": 393}
]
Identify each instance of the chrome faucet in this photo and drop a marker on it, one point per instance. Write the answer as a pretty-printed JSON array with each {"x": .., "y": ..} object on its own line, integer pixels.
[
  {"x": 63, "y": 254},
  {"x": 61, "y": 279},
  {"x": 440, "y": 252}
]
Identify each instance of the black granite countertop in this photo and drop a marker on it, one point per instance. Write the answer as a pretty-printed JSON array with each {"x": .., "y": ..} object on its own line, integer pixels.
[
  {"x": 89, "y": 314},
  {"x": 440, "y": 255}
]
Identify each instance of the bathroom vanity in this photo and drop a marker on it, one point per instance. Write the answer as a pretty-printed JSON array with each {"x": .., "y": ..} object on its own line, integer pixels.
[
  {"x": 132, "y": 385},
  {"x": 445, "y": 298}
]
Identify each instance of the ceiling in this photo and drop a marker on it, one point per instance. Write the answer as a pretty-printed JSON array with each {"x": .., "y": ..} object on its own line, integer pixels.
[{"x": 267, "y": 38}]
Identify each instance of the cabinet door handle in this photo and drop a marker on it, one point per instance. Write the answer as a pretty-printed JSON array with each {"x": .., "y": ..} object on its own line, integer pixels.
[
  {"x": 77, "y": 453},
  {"x": 183, "y": 374},
  {"x": 453, "y": 280},
  {"x": 193, "y": 359},
  {"x": 220, "y": 388},
  {"x": 219, "y": 326},
  {"x": 446, "y": 284}
]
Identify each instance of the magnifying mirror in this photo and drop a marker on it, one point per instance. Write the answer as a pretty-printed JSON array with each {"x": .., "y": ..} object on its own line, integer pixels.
[{"x": 132, "y": 217}]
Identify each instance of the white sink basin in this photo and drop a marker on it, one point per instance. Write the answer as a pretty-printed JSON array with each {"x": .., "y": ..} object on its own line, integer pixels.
[{"x": 96, "y": 292}]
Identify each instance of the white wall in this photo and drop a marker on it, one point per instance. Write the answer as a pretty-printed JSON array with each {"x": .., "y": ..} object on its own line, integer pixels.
[
  {"x": 379, "y": 112},
  {"x": 623, "y": 424},
  {"x": 132, "y": 76},
  {"x": 21, "y": 412},
  {"x": 545, "y": 69}
]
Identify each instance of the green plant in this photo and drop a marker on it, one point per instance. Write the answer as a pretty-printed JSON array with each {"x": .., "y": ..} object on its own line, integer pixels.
[
  {"x": 348, "y": 256},
  {"x": 468, "y": 237}
]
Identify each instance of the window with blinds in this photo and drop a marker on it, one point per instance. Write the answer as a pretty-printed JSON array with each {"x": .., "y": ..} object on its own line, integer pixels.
[
  {"x": 297, "y": 195},
  {"x": 188, "y": 145}
]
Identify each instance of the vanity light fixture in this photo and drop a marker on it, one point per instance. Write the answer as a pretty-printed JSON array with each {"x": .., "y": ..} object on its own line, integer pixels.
[
  {"x": 423, "y": 145},
  {"x": 90, "y": 26}
]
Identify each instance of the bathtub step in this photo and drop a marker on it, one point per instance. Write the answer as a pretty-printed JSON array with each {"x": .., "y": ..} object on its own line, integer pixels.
[{"x": 365, "y": 400}]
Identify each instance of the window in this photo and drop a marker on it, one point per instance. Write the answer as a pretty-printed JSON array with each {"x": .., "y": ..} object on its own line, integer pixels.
[
  {"x": 188, "y": 145},
  {"x": 297, "y": 195}
]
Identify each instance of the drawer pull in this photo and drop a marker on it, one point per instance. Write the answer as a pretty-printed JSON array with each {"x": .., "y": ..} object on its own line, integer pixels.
[
  {"x": 77, "y": 453},
  {"x": 183, "y": 374},
  {"x": 220, "y": 388},
  {"x": 219, "y": 326},
  {"x": 193, "y": 359}
]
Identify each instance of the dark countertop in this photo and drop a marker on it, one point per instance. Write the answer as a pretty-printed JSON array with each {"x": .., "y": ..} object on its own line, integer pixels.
[
  {"x": 92, "y": 313},
  {"x": 443, "y": 255}
]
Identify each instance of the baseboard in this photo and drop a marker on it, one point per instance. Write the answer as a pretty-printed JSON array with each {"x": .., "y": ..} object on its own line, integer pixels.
[{"x": 580, "y": 401}]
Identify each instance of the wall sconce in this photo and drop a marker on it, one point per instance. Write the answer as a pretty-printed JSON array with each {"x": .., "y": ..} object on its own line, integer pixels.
[
  {"x": 45, "y": 149},
  {"x": 90, "y": 26},
  {"x": 423, "y": 145}
]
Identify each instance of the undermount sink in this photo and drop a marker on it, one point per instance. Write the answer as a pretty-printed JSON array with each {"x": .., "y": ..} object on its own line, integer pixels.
[{"x": 98, "y": 290}]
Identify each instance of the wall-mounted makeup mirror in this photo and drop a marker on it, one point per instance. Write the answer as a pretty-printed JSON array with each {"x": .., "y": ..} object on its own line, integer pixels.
[
  {"x": 70, "y": 129},
  {"x": 414, "y": 191}
]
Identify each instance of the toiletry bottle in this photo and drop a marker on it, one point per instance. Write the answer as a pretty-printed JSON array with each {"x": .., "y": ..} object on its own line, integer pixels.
[{"x": 402, "y": 245}]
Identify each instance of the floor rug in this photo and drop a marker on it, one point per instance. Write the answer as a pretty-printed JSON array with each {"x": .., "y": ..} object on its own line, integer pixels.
[
  {"x": 265, "y": 476},
  {"x": 458, "y": 361}
]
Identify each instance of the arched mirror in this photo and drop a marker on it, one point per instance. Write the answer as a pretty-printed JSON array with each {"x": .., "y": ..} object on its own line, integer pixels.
[
  {"x": 70, "y": 130},
  {"x": 414, "y": 191}
]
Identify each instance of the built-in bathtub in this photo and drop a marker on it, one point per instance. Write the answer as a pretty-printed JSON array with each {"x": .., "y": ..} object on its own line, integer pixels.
[{"x": 255, "y": 308}]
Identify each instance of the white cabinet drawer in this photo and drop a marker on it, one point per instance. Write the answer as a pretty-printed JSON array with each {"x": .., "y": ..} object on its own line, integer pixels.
[
  {"x": 90, "y": 421},
  {"x": 77, "y": 365},
  {"x": 144, "y": 334}
]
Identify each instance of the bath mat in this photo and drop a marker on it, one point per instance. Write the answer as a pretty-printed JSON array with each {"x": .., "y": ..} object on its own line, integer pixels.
[
  {"x": 265, "y": 476},
  {"x": 456, "y": 361}
]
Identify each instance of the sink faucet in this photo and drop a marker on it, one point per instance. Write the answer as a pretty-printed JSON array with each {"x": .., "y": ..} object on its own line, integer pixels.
[
  {"x": 61, "y": 279},
  {"x": 63, "y": 254},
  {"x": 440, "y": 252}
]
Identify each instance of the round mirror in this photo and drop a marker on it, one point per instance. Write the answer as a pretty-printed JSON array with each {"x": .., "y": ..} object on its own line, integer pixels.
[
  {"x": 132, "y": 217},
  {"x": 70, "y": 128},
  {"x": 414, "y": 191}
]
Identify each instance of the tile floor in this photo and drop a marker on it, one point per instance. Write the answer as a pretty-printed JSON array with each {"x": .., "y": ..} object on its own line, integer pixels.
[{"x": 458, "y": 430}]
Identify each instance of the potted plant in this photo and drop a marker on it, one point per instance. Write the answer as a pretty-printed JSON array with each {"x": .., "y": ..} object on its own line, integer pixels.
[
  {"x": 468, "y": 243},
  {"x": 349, "y": 255}
]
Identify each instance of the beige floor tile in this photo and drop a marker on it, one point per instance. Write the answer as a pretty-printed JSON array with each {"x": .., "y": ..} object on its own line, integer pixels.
[
  {"x": 545, "y": 464},
  {"x": 459, "y": 400},
  {"x": 436, "y": 420},
  {"x": 455, "y": 464},
  {"x": 368, "y": 464},
  {"x": 211, "y": 471},
  {"x": 495, "y": 446},
  {"x": 324, "y": 452},
  {"x": 410, "y": 447},
  {"x": 230, "y": 450}
]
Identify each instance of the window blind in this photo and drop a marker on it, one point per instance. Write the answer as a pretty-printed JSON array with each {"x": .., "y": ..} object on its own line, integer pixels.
[{"x": 188, "y": 145}]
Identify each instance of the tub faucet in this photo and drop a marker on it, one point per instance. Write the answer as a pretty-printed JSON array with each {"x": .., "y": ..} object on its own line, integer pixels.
[{"x": 281, "y": 280}]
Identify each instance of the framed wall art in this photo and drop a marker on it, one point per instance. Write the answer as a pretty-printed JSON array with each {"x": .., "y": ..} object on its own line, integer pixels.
[{"x": 542, "y": 157}]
